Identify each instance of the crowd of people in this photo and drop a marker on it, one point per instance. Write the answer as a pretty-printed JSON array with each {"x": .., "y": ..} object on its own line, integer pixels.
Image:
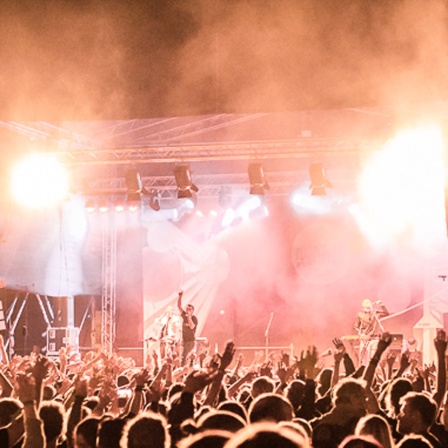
[{"x": 222, "y": 400}]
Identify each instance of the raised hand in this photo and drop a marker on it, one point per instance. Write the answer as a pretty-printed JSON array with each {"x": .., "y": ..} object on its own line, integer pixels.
[
  {"x": 141, "y": 377},
  {"x": 418, "y": 385},
  {"x": 227, "y": 357},
  {"x": 440, "y": 343},
  {"x": 24, "y": 387},
  {"x": 391, "y": 358},
  {"x": 384, "y": 342},
  {"x": 405, "y": 361},
  {"x": 80, "y": 387},
  {"x": 197, "y": 380},
  {"x": 338, "y": 355},
  {"x": 339, "y": 345},
  {"x": 41, "y": 368},
  {"x": 266, "y": 369},
  {"x": 285, "y": 359},
  {"x": 310, "y": 361}
]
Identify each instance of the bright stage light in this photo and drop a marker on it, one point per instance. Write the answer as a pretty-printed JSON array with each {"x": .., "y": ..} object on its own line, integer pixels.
[
  {"x": 401, "y": 188},
  {"x": 303, "y": 203},
  {"x": 248, "y": 206},
  {"x": 39, "y": 181},
  {"x": 228, "y": 218},
  {"x": 90, "y": 206},
  {"x": 102, "y": 206}
]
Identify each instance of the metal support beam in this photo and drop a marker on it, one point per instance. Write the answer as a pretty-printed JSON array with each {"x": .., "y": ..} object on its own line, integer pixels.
[{"x": 108, "y": 296}]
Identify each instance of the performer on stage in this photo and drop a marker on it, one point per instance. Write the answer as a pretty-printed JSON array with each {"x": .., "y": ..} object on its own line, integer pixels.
[
  {"x": 367, "y": 326},
  {"x": 189, "y": 325},
  {"x": 367, "y": 320},
  {"x": 169, "y": 333}
]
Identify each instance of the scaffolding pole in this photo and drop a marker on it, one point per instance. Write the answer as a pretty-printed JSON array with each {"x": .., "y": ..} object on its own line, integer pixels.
[{"x": 108, "y": 296}]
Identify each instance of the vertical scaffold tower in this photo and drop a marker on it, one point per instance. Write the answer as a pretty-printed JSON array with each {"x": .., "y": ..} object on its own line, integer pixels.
[{"x": 108, "y": 295}]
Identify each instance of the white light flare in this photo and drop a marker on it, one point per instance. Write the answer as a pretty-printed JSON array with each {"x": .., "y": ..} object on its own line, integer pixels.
[
  {"x": 228, "y": 218},
  {"x": 249, "y": 205},
  {"x": 39, "y": 180},
  {"x": 402, "y": 187}
]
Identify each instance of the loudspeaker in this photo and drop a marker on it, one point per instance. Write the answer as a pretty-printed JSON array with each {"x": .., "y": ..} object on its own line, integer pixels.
[
  {"x": 397, "y": 341},
  {"x": 62, "y": 337}
]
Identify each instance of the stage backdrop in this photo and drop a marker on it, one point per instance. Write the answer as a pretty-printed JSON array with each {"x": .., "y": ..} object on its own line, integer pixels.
[{"x": 303, "y": 276}]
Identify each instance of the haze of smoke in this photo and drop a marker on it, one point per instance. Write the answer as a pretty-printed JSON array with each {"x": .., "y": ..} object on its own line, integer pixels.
[{"x": 167, "y": 58}]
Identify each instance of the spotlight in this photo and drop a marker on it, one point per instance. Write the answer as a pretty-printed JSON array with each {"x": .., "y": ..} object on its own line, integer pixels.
[
  {"x": 258, "y": 183},
  {"x": 133, "y": 181},
  {"x": 319, "y": 180},
  {"x": 133, "y": 205},
  {"x": 154, "y": 199},
  {"x": 90, "y": 206},
  {"x": 185, "y": 186},
  {"x": 102, "y": 206},
  {"x": 119, "y": 206},
  {"x": 134, "y": 186}
]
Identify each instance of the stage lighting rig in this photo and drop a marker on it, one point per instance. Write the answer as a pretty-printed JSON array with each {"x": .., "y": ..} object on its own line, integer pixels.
[
  {"x": 185, "y": 185},
  {"x": 258, "y": 183},
  {"x": 319, "y": 181}
]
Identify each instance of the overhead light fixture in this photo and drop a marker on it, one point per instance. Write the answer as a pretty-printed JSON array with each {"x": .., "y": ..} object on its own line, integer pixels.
[
  {"x": 90, "y": 206},
  {"x": 134, "y": 185},
  {"x": 102, "y": 206},
  {"x": 154, "y": 199},
  {"x": 258, "y": 183},
  {"x": 319, "y": 181},
  {"x": 185, "y": 186},
  {"x": 119, "y": 206}
]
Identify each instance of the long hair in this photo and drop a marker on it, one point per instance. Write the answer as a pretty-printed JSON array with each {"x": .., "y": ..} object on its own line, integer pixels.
[{"x": 377, "y": 427}]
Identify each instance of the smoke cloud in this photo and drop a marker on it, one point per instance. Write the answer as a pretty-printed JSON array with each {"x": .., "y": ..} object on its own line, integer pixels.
[{"x": 88, "y": 60}]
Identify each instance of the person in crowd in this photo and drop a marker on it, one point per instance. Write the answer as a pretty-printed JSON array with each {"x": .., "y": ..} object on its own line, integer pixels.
[
  {"x": 377, "y": 427},
  {"x": 349, "y": 405},
  {"x": 417, "y": 414},
  {"x": 146, "y": 430},
  {"x": 267, "y": 434},
  {"x": 169, "y": 404},
  {"x": 211, "y": 438},
  {"x": 86, "y": 433},
  {"x": 360, "y": 442},
  {"x": 52, "y": 414},
  {"x": 110, "y": 431},
  {"x": 270, "y": 407},
  {"x": 414, "y": 441}
]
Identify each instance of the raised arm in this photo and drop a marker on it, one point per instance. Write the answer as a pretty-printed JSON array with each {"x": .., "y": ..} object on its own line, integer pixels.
[
  {"x": 3, "y": 353},
  {"x": 369, "y": 373},
  {"x": 440, "y": 344},
  {"x": 34, "y": 433},
  {"x": 216, "y": 384},
  {"x": 179, "y": 301}
]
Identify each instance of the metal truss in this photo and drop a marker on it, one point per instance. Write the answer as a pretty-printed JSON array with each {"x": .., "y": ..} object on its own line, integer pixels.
[
  {"x": 219, "y": 151},
  {"x": 108, "y": 294},
  {"x": 145, "y": 132},
  {"x": 211, "y": 186},
  {"x": 59, "y": 137},
  {"x": 136, "y": 133}
]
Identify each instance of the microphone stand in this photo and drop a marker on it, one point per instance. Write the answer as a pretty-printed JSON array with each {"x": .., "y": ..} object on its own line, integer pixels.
[
  {"x": 266, "y": 336},
  {"x": 377, "y": 320}
]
